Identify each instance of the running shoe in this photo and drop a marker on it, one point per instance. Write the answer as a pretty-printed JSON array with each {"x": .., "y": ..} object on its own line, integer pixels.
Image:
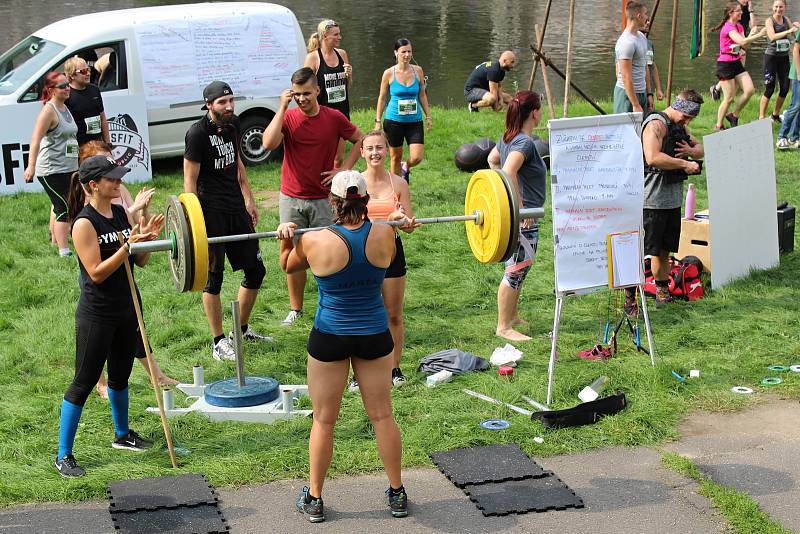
[
  {"x": 398, "y": 502},
  {"x": 397, "y": 377},
  {"x": 251, "y": 335},
  {"x": 353, "y": 387},
  {"x": 472, "y": 109},
  {"x": 66, "y": 253},
  {"x": 777, "y": 119},
  {"x": 291, "y": 317},
  {"x": 223, "y": 350},
  {"x": 783, "y": 144},
  {"x": 719, "y": 127},
  {"x": 595, "y": 354},
  {"x": 795, "y": 144},
  {"x": 313, "y": 509},
  {"x": 67, "y": 467},
  {"x": 715, "y": 93},
  {"x": 732, "y": 119},
  {"x": 132, "y": 442},
  {"x": 405, "y": 172},
  {"x": 663, "y": 297}
]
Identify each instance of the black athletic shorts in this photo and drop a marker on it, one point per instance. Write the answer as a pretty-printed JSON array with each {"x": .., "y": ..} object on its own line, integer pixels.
[
  {"x": 412, "y": 132},
  {"x": 397, "y": 269},
  {"x": 662, "y": 230},
  {"x": 241, "y": 254},
  {"x": 332, "y": 348},
  {"x": 728, "y": 70},
  {"x": 57, "y": 188}
]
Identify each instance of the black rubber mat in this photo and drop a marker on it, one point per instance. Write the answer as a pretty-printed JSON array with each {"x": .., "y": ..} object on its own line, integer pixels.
[
  {"x": 522, "y": 496},
  {"x": 203, "y": 518},
  {"x": 479, "y": 465},
  {"x": 159, "y": 492}
]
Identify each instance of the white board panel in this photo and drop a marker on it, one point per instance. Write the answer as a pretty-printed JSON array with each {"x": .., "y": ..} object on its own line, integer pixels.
[
  {"x": 597, "y": 175},
  {"x": 740, "y": 170}
]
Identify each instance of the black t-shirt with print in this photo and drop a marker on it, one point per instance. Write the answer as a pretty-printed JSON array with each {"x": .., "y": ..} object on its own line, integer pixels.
[
  {"x": 216, "y": 150},
  {"x": 86, "y": 105},
  {"x": 483, "y": 73}
]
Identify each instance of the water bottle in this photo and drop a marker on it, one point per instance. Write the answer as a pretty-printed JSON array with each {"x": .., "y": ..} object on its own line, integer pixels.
[
  {"x": 690, "y": 202},
  {"x": 592, "y": 391}
]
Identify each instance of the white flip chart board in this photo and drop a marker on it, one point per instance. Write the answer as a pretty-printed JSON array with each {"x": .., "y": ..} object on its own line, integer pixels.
[{"x": 597, "y": 174}]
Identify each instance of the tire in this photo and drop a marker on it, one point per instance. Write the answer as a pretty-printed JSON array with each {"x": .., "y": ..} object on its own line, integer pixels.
[{"x": 250, "y": 149}]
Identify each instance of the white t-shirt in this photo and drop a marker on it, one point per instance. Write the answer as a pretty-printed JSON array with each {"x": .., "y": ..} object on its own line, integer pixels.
[{"x": 634, "y": 47}]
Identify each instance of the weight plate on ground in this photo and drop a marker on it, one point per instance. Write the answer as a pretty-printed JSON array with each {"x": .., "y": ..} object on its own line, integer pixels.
[
  {"x": 180, "y": 265},
  {"x": 199, "y": 239},
  {"x": 256, "y": 390},
  {"x": 779, "y": 368},
  {"x": 487, "y": 194},
  {"x": 741, "y": 389},
  {"x": 495, "y": 424},
  {"x": 794, "y": 368},
  {"x": 514, "y": 205},
  {"x": 771, "y": 381}
]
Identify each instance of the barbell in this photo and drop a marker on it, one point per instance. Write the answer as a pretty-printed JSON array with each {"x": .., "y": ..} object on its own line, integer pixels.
[{"x": 491, "y": 213}]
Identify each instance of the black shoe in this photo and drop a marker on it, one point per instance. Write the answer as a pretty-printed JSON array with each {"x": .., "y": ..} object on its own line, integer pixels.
[
  {"x": 67, "y": 467},
  {"x": 313, "y": 509},
  {"x": 132, "y": 442},
  {"x": 398, "y": 502},
  {"x": 732, "y": 119},
  {"x": 715, "y": 93},
  {"x": 398, "y": 379}
]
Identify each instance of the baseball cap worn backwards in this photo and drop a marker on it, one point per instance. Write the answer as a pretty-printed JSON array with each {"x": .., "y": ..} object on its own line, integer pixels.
[
  {"x": 98, "y": 167},
  {"x": 214, "y": 90},
  {"x": 345, "y": 180}
]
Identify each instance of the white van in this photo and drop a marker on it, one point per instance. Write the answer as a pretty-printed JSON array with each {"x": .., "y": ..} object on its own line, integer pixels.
[{"x": 158, "y": 59}]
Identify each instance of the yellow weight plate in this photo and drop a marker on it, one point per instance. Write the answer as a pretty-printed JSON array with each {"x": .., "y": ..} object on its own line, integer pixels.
[
  {"x": 487, "y": 193},
  {"x": 514, "y": 204},
  {"x": 197, "y": 229}
]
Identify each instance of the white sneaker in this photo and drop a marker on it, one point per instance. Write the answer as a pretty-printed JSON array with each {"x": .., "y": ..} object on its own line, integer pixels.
[
  {"x": 251, "y": 335},
  {"x": 783, "y": 144},
  {"x": 353, "y": 387},
  {"x": 794, "y": 144},
  {"x": 223, "y": 350},
  {"x": 291, "y": 317}
]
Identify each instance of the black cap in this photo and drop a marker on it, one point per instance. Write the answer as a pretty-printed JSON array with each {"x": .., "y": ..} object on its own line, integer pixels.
[
  {"x": 214, "y": 90},
  {"x": 98, "y": 167}
]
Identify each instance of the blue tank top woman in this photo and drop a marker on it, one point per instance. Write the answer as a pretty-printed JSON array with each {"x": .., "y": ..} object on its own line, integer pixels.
[{"x": 404, "y": 104}]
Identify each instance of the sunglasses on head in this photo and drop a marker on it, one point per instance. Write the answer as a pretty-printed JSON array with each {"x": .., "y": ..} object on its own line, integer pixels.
[
  {"x": 330, "y": 23},
  {"x": 62, "y": 85}
]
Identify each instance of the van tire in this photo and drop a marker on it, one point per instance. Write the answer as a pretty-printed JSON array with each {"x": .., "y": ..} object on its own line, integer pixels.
[{"x": 250, "y": 149}]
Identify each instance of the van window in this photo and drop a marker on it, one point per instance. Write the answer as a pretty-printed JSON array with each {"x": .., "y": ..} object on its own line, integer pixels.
[{"x": 21, "y": 62}]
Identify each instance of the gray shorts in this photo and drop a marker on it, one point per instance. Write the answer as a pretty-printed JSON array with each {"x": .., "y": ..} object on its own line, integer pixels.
[
  {"x": 475, "y": 95},
  {"x": 305, "y": 212}
]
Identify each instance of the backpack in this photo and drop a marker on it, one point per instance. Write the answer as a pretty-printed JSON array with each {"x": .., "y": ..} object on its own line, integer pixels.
[{"x": 684, "y": 278}]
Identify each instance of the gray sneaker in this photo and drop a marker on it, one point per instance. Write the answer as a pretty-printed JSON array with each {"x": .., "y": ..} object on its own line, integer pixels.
[
  {"x": 783, "y": 144},
  {"x": 398, "y": 502},
  {"x": 223, "y": 350},
  {"x": 251, "y": 335},
  {"x": 67, "y": 467},
  {"x": 314, "y": 510},
  {"x": 291, "y": 317}
]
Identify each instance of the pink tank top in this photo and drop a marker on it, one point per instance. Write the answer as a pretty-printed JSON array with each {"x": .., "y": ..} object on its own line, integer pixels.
[
  {"x": 379, "y": 209},
  {"x": 725, "y": 42}
]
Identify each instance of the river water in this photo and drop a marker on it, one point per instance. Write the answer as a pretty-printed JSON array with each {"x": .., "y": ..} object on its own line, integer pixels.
[{"x": 451, "y": 36}]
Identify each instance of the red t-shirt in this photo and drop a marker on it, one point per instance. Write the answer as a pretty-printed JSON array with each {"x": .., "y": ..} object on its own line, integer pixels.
[{"x": 309, "y": 149}]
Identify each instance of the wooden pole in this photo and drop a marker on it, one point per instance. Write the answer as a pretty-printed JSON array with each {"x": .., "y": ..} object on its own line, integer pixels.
[
  {"x": 563, "y": 76},
  {"x": 539, "y": 42},
  {"x": 150, "y": 361},
  {"x": 547, "y": 91},
  {"x": 624, "y": 15},
  {"x": 672, "y": 48},
  {"x": 568, "y": 77},
  {"x": 652, "y": 17}
]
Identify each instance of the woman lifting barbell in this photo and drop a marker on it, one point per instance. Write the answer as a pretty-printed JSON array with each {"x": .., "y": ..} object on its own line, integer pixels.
[
  {"x": 105, "y": 319},
  {"x": 349, "y": 261}
]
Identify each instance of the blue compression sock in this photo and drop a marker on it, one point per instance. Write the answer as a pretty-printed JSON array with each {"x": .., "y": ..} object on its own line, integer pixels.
[
  {"x": 70, "y": 415},
  {"x": 118, "y": 398}
]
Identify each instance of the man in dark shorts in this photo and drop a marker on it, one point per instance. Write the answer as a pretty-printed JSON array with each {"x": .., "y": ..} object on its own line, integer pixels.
[
  {"x": 85, "y": 102},
  {"x": 213, "y": 170},
  {"x": 484, "y": 85},
  {"x": 310, "y": 134},
  {"x": 667, "y": 146}
]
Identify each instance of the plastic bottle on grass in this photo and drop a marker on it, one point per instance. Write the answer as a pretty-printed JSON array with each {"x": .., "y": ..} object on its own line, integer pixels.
[{"x": 691, "y": 202}]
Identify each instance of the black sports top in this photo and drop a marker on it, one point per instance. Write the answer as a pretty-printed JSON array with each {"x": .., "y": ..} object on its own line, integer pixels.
[{"x": 333, "y": 84}]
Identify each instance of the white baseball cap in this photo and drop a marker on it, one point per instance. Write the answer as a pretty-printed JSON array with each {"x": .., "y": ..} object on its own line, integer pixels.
[{"x": 345, "y": 180}]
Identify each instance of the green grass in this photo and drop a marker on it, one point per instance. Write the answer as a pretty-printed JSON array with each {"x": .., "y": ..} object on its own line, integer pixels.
[
  {"x": 738, "y": 508},
  {"x": 731, "y": 336}
]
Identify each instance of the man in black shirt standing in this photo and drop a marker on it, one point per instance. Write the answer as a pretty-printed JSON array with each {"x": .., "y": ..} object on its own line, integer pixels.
[
  {"x": 484, "y": 85},
  {"x": 213, "y": 170},
  {"x": 85, "y": 102}
]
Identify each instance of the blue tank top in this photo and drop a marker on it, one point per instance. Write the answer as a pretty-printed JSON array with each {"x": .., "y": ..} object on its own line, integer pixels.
[
  {"x": 350, "y": 301},
  {"x": 404, "y": 105}
]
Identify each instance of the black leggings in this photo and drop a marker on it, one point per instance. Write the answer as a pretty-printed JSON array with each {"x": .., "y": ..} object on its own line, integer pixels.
[
  {"x": 776, "y": 68},
  {"x": 94, "y": 341}
]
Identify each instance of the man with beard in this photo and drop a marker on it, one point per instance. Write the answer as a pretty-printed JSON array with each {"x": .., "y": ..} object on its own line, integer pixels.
[
  {"x": 213, "y": 170},
  {"x": 484, "y": 85},
  {"x": 310, "y": 135}
]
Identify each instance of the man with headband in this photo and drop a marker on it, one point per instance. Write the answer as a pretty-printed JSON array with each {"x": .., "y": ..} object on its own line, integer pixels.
[{"x": 670, "y": 155}]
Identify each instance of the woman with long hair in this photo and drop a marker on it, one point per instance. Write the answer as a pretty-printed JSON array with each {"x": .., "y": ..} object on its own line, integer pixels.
[
  {"x": 53, "y": 154},
  {"x": 333, "y": 70},
  {"x": 349, "y": 260},
  {"x": 404, "y": 84},
  {"x": 780, "y": 30},
  {"x": 730, "y": 70},
  {"x": 516, "y": 155}
]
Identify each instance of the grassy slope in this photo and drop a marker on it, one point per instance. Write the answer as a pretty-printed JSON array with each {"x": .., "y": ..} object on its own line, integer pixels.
[{"x": 731, "y": 336}]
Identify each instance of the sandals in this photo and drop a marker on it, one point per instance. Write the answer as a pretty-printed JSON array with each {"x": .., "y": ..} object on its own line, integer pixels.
[{"x": 596, "y": 353}]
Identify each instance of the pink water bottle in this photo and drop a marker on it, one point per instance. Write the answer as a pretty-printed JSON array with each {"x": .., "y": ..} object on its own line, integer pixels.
[{"x": 690, "y": 202}]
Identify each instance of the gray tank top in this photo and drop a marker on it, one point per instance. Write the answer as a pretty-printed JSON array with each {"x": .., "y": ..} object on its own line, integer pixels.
[
  {"x": 779, "y": 47},
  {"x": 58, "y": 152}
]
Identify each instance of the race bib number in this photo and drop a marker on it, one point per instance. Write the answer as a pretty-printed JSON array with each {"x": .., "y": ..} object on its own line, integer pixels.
[
  {"x": 92, "y": 125},
  {"x": 735, "y": 49},
  {"x": 407, "y": 107},
  {"x": 650, "y": 57},
  {"x": 72, "y": 149},
  {"x": 336, "y": 94},
  {"x": 783, "y": 45}
]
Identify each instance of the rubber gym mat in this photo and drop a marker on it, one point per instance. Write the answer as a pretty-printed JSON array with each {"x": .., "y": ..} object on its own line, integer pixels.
[
  {"x": 159, "y": 492},
  {"x": 204, "y": 518},
  {"x": 523, "y": 496},
  {"x": 492, "y": 463}
]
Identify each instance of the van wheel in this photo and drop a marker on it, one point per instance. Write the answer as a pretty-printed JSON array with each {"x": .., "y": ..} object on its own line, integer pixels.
[{"x": 252, "y": 151}]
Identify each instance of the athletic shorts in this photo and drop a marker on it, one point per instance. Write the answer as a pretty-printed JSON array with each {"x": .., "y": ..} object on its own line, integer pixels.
[
  {"x": 241, "y": 254},
  {"x": 729, "y": 70},
  {"x": 622, "y": 103},
  {"x": 662, "y": 230},
  {"x": 57, "y": 188},
  {"x": 521, "y": 261},
  {"x": 332, "y": 348},
  {"x": 305, "y": 212},
  {"x": 475, "y": 94},
  {"x": 397, "y": 269},
  {"x": 412, "y": 133}
]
